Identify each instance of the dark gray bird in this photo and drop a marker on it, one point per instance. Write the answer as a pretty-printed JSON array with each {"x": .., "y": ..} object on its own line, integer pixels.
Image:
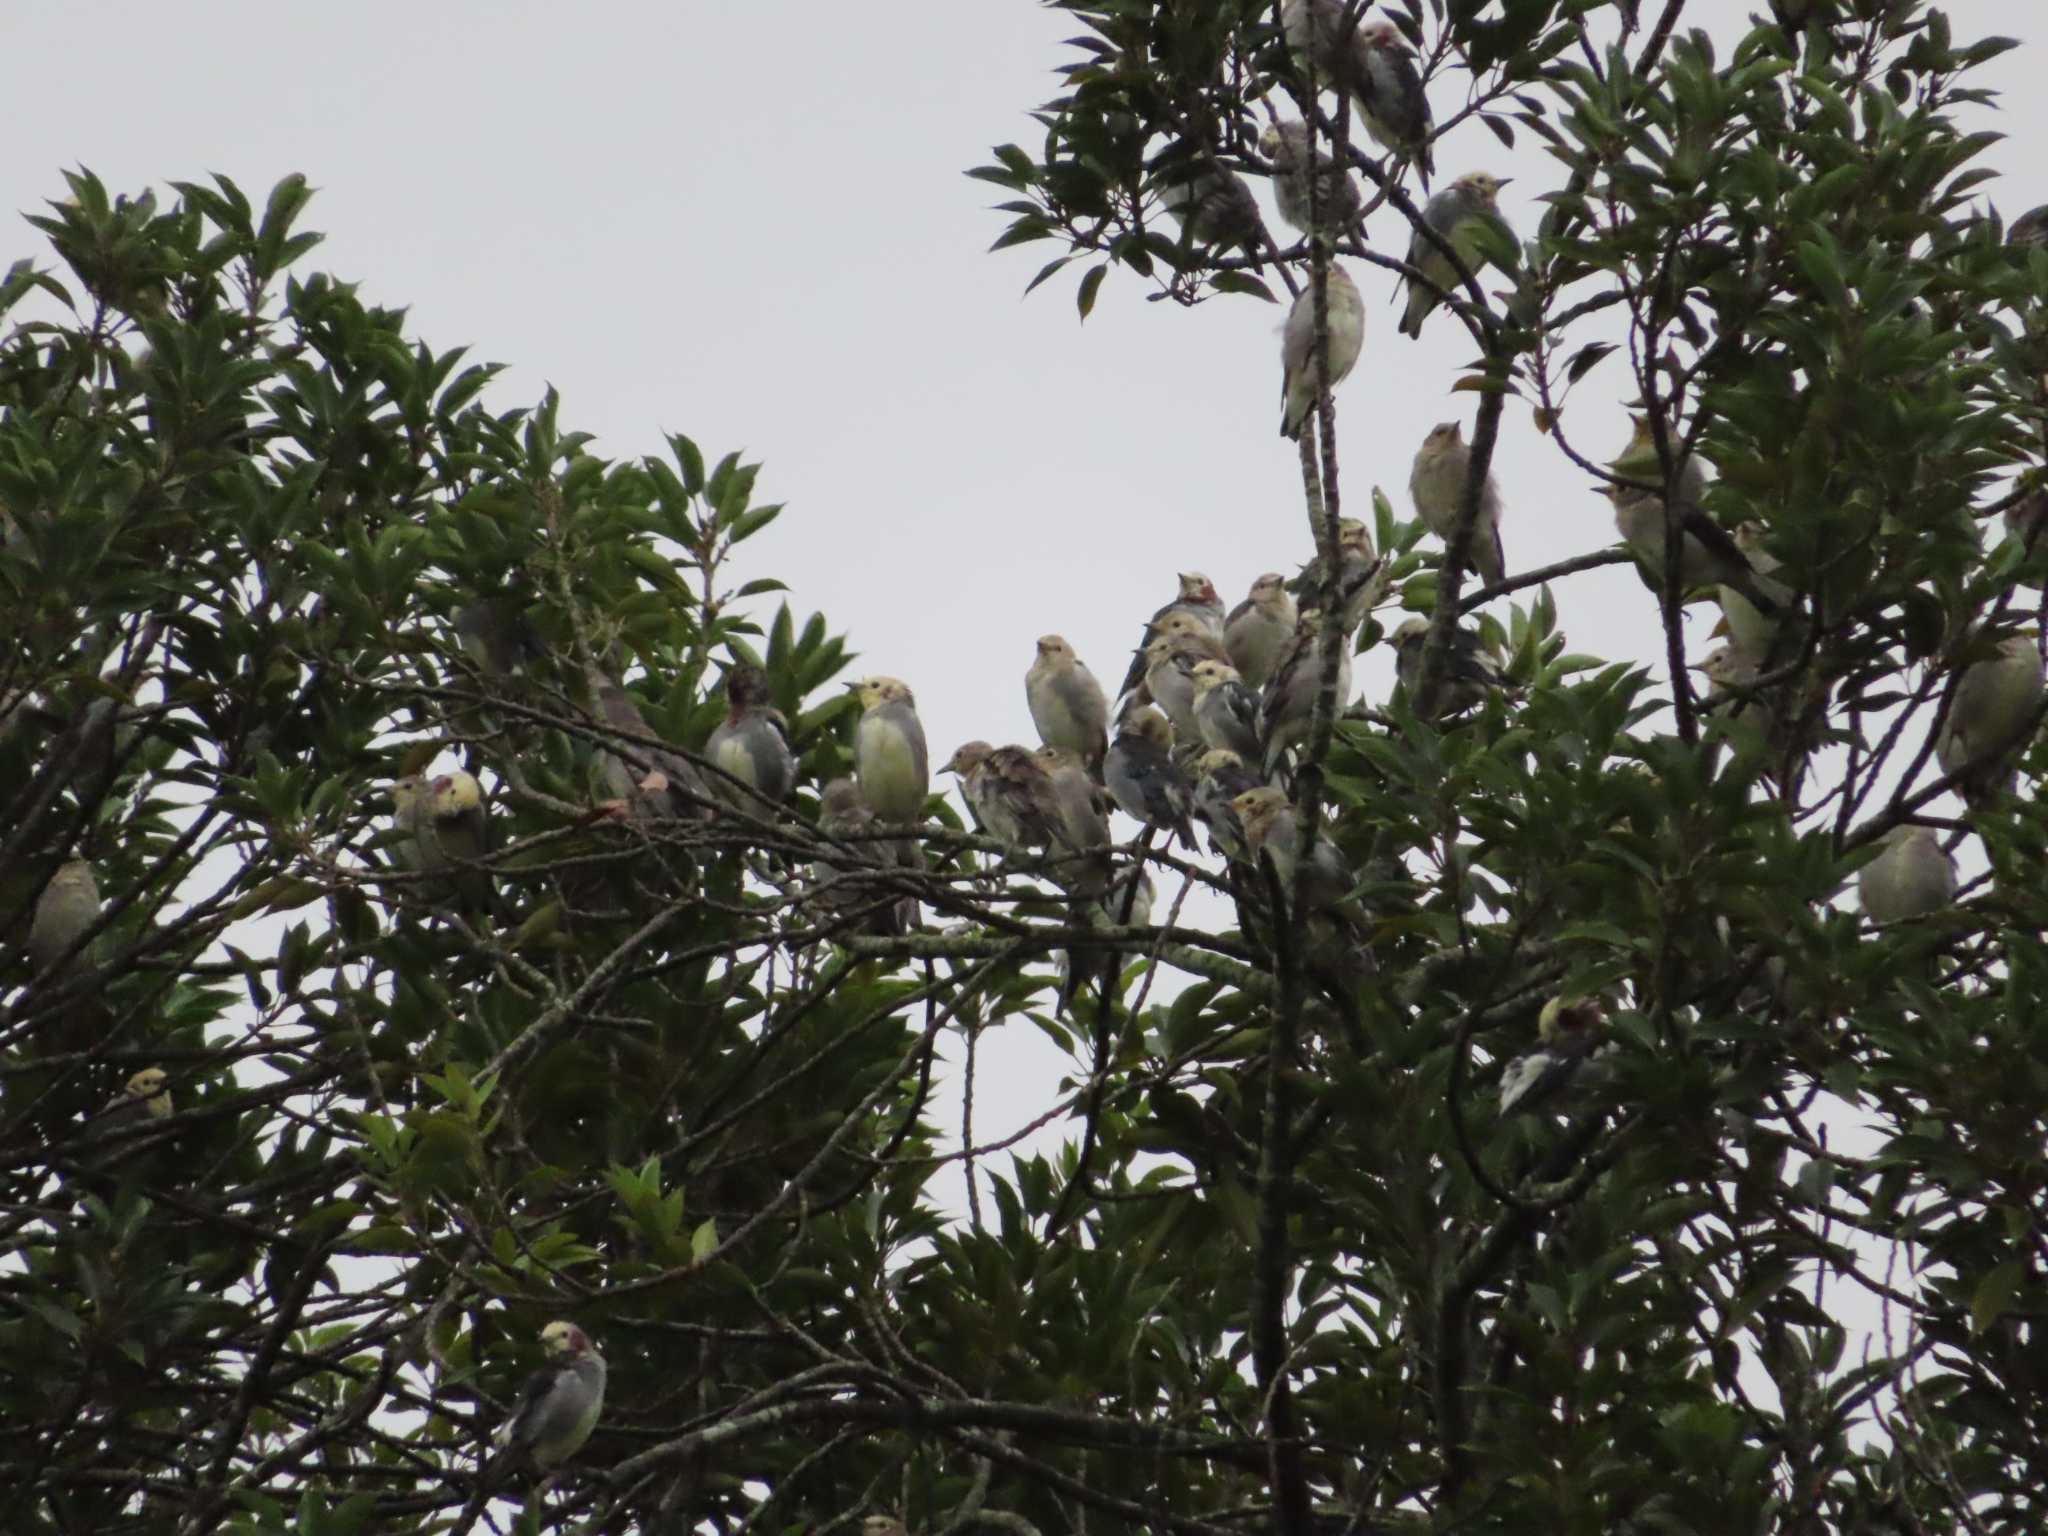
[
  {"x": 1571, "y": 1036},
  {"x": 1198, "y": 600},
  {"x": 1346, "y": 311},
  {"x": 1458, "y": 214},
  {"x": 1213, "y": 206},
  {"x": 1220, "y": 777},
  {"x": 1142, "y": 776},
  {"x": 1471, "y": 671},
  {"x": 558, "y": 1407},
  {"x": 752, "y": 742},
  {"x": 1395, "y": 106},
  {"x": 1337, "y": 203},
  {"x": 1226, "y": 712},
  {"x": 1436, "y": 483},
  {"x": 1361, "y": 576},
  {"x": 2030, "y": 228}
]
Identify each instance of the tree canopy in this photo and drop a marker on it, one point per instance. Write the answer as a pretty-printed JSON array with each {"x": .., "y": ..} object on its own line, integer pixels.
[{"x": 1507, "y": 1123}]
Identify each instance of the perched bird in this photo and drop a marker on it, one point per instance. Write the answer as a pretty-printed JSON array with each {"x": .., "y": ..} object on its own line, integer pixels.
[
  {"x": 1083, "y": 810},
  {"x": 1198, "y": 600},
  {"x": 1298, "y": 347},
  {"x": 1325, "y": 47},
  {"x": 497, "y": 634},
  {"x": 1457, "y": 214},
  {"x": 752, "y": 742},
  {"x": 1569, "y": 1033},
  {"x": 1010, "y": 795},
  {"x": 1220, "y": 777},
  {"x": 1258, "y": 629},
  {"x": 1995, "y": 704},
  {"x": 651, "y": 780},
  {"x": 889, "y": 756},
  {"x": 1337, "y": 203},
  {"x": 1912, "y": 877},
  {"x": 1170, "y": 661},
  {"x": 66, "y": 910},
  {"x": 1143, "y": 778},
  {"x": 557, "y": 1408},
  {"x": 1226, "y": 712},
  {"x": 145, "y": 1096},
  {"x": 1067, "y": 704},
  {"x": 1213, "y": 206},
  {"x": 1395, "y": 106},
  {"x": 2025, "y": 518},
  {"x": 1750, "y": 629},
  {"x": 1288, "y": 701},
  {"x": 1639, "y": 461},
  {"x": 1272, "y": 827},
  {"x": 1437, "y": 485},
  {"x": 445, "y": 828},
  {"x": 1707, "y": 553},
  {"x": 850, "y": 878},
  {"x": 2030, "y": 228},
  {"x": 1471, "y": 672},
  {"x": 1361, "y": 575}
]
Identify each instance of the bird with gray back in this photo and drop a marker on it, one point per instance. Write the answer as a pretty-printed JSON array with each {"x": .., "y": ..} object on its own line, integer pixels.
[
  {"x": 1143, "y": 778},
  {"x": 752, "y": 743},
  {"x": 890, "y": 761},
  {"x": 1257, "y": 630},
  {"x": 1067, "y": 703},
  {"x": 557, "y": 1409},
  {"x": 1394, "y": 105},
  {"x": 1458, "y": 215},
  {"x": 1346, "y": 311},
  {"x": 1300, "y": 177},
  {"x": 1196, "y": 599},
  {"x": 1287, "y": 702}
]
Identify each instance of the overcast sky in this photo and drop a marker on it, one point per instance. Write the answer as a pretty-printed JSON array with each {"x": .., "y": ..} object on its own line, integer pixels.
[{"x": 748, "y": 222}]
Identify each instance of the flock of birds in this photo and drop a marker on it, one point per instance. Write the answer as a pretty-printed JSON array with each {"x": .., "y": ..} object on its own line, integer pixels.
[{"x": 1215, "y": 704}]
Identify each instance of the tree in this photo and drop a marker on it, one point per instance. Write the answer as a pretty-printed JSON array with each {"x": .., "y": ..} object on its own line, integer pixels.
[{"x": 655, "y": 1055}]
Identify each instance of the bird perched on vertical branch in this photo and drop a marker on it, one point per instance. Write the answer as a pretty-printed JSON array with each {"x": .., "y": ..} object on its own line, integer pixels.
[
  {"x": 752, "y": 742},
  {"x": 557, "y": 1408},
  {"x": 64, "y": 913},
  {"x": 1142, "y": 777},
  {"x": 1913, "y": 877},
  {"x": 1258, "y": 629},
  {"x": 1436, "y": 483},
  {"x": 1337, "y": 203},
  {"x": 1458, "y": 214},
  {"x": 1346, "y": 311},
  {"x": 1198, "y": 600},
  {"x": 1212, "y": 205},
  {"x": 1226, "y": 712},
  {"x": 1995, "y": 705},
  {"x": 1327, "y": 47},
  {"x": 1067, "y": 703},
  {"x": 1287, "y": 704},
  {"x": 1470, "y": 670},
  {"x": 1272, "y": 828},
  {"x": 1395, "y": 106},
  {"x": 444, "y": 827},
  {"x": 890, "y": 760},
  {"x": 1361, "y": 576}
]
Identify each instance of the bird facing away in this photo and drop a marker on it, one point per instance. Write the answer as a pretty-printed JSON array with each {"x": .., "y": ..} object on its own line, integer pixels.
[
  {"x": 557, "y": 1408},
  {"x": 1143, "y": 778},
  {"x": 1226, "y": 712},
  {"x": 1707, "y": 553},
  {"x": 1198, "y": 600},
  {"x": 1995, "y": 704},
  {"x": 1457, "y": 214},
  {"x": 1288, "y": 702},
  {"x": 66, "y": 910},
  {"x": 1258, "y": 629},
  {"x": 1437, "y": 485},
  {"x": 1361, "y": 575},
  {"x": 1912, "y": 877},
  {"x": 1009, "y": 794},
  {"x": 668, "y": 784},
  {"x": 1220, "y": 777},
  {"x": 890, "y": 761},
  {"x": 844, "y": 815},
  {"x": 1470, "y": 669},
  {"x": 1395, "y": 106},
  {"x": 1082, "y": 806},
  {"x": 1213, "y": 206},
  {"x": 1298, "y": 347},
  {"x": 752, "y": 742},
  {"x": 1337, "y": 203},
  {"x": 1067, "y": 704}
]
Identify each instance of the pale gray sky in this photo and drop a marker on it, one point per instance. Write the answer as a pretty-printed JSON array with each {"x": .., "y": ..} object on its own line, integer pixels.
[{"x": 748, "y": 222}]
